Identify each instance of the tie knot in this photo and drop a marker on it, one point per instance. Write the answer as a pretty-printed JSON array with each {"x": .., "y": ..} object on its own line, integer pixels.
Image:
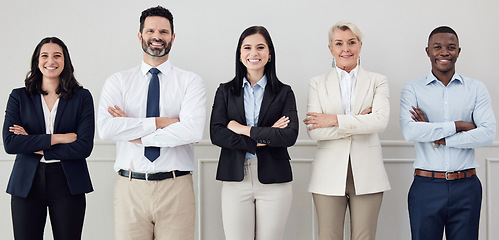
[{"x": 154, "y": 71}]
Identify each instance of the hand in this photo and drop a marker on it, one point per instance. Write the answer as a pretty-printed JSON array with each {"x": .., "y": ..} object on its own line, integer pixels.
[
  {"x": 138, "y": 141},
  {"x": 367, "y": 111},
  {"x": 439, "y": 142},
  {"x": 418, "y": 115},
  {"x": 63, "y": 138},
  {"x": 18, "y": 130},
  {"x": 239, "y": 128},
  {"x": 320, "y": 120},
  {"x": 116, "y": 111},
  {"x": 281, "y": 123},
  {"x": 39, "y": 152}
]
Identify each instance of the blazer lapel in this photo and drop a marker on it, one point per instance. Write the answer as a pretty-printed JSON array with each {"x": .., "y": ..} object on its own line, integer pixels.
[
  {"x": 334, "y": 93},
  {"x": 60, "y": 110},
  {"x": 361, "y": 88},
  {"x": 239, "y": 100},
  {"x": 268, "y": 97},
  {"x": 37, "y": 105}
]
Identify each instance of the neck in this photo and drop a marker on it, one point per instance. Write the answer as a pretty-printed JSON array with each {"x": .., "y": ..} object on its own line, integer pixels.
[
  {"x": 254, "y": 76},
  {"x": 347, "y": 69},
  {"x": 154, "y": 61},
  {"x": 50, "y": 85},
  {"x": 444, "y": 77}
]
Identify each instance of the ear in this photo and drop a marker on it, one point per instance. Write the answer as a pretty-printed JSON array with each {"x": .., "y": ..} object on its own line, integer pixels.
[
  {"x": 173, "y": 38},
  {"x": 459, "y": 51},
  {"x": 139, "y": 36},
  {"x": 427, "y": 51}
]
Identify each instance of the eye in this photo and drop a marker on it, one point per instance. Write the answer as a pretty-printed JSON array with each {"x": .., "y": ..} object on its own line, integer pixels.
[
  {"x": 437, "y": 47},
  {"x": 43, "y": 55},
  {"x": 352, "y": 42},
  {"x": 338, "y": 44},
  {"x": 246, "y": 47},
  {"x": 452, "y": 48},
  {"x": 164, "y": 32},
  {"x": 261, "y": 47}
]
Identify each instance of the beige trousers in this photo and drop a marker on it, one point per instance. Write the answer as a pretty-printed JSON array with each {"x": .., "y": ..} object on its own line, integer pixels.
[
  {"x": 364, "y": 211},
  {"x": 251, "y": 208},
  {"x": 161, "y": 210}
]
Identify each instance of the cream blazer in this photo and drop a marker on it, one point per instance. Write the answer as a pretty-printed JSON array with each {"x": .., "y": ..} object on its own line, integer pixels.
[{"x": 356, "y": 136}]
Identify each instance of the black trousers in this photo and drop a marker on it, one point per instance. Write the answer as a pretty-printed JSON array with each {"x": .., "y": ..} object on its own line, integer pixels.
[{"x": 50, "y": 190}]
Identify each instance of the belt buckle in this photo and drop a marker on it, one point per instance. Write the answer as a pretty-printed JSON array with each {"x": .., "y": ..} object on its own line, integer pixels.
[
  {"x": 147, "y": 176},
  {"x": 447, "y": 176}
]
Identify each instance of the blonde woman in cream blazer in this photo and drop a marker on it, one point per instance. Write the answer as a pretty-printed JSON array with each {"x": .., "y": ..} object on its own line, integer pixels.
[{"x": 348, "y": 167}]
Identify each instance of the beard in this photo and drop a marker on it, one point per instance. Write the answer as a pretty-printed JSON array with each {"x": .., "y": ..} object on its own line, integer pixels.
[{"x": 156, "y": 52}]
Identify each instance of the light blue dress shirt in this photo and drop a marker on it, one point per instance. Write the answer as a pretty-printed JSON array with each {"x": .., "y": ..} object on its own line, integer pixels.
[
  {"x": 463, "y": 99},
  {"x": 253, "y": 97}
]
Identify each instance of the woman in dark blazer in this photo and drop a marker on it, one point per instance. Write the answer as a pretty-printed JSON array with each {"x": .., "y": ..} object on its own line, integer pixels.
[
  {"x": 49, "y": 125},
  {"x": 254, "y": 120}
]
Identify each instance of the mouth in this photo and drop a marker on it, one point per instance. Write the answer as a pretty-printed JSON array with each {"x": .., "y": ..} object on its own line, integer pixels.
[
  {"x": 443, "y": 60},
  {"x": 346, "y": 56},
  {"x": 254, "y": 60},
  {"x": 51, "y": 68}
]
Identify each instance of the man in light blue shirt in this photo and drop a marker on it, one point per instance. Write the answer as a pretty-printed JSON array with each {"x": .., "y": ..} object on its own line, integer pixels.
[{"x": 447, "y": 116}]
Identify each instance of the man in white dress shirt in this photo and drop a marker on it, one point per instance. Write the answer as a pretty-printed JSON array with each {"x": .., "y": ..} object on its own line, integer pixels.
[{"x": 154, "y": 112}]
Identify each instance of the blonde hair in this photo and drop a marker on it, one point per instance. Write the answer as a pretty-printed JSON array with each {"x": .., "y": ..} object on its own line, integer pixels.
[{"x": 345, "y": 25}]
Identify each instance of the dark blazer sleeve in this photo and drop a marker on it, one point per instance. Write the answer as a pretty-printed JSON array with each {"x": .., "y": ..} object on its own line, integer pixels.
[
  {"x": 284, "y": 104},
  {"x": 19, "y": 108},
  {"x": 78, "y": 117},
  {"x": 222, "y": 113}
]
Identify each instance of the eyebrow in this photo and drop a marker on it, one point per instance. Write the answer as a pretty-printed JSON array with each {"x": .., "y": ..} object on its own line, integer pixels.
[
  {"x": 47, "y": 53},
  {"x": 339, "y": 40}
]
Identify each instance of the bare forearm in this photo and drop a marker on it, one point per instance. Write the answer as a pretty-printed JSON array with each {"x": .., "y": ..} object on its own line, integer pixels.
[{"x": 162, "y": 122}]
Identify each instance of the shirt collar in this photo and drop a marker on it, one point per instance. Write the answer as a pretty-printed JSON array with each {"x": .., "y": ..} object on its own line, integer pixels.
[
  {"x": 262, "y": 82},
  {"x": 353, "y": 73},
  {"x": 431, "y": 78},
  {"x": 163, "y": 68}
]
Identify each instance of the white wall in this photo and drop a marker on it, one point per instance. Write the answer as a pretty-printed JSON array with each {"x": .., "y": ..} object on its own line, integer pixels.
[{"x": 102, "y": 39}]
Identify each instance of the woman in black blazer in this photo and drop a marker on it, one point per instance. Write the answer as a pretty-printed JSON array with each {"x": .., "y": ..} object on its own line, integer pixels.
[
  {"x": 254, "y": 120},
  {"x": 49, "y": 125}
]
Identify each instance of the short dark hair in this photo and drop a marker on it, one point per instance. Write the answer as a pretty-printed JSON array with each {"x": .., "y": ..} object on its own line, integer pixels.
[
  {"x": 443, "y": 29},
  {"x": 270, "y": 69},
  {"x": 67, "y": 83},
  {"x": 158, "y": 11}
]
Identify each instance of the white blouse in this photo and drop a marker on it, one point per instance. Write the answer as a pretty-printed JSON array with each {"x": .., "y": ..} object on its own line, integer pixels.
[
  {"x": 49, "y": 117},
  {"x": 347, "y": 87}
]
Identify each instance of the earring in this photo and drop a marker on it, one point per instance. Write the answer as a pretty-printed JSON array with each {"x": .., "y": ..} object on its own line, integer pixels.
[
  {"x": 359, "y": 60},
  {"x": 334, "y": 63},
  {"x": 270, "y": 58}
]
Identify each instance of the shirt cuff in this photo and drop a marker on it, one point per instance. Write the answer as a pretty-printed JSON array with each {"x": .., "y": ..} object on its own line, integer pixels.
[
  {"x": 449, "y": 128},
  {"x": 149, "y": 125}
]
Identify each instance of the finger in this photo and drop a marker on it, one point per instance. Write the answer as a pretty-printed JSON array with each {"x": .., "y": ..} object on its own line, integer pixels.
[{"x": 118, "y": 108}]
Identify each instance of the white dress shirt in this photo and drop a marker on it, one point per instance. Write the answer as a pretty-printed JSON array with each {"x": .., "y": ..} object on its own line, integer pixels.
[
  {"x": 182, "y": 96},
  {"x": 347, "y": 87},
  {"x": 49, "y": 116}
]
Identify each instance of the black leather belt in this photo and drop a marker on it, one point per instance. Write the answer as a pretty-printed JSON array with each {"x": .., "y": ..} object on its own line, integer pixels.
[{"x": 152, "y": 176}]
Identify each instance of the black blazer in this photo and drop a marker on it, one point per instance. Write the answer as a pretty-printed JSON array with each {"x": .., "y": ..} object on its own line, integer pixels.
[
  {"x": 73, "y": 115},
  {"x": 273, "y": 159}
]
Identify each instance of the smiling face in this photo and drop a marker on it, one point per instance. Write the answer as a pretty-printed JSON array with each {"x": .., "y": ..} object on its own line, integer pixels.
[
  {"x": 345, "y": 48},
  {"x": 443, "y": 50},
  {"x": 51, "y": 60},
  {"x": 156, "y": 37},
  {"x": 254, "y": 53}
]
